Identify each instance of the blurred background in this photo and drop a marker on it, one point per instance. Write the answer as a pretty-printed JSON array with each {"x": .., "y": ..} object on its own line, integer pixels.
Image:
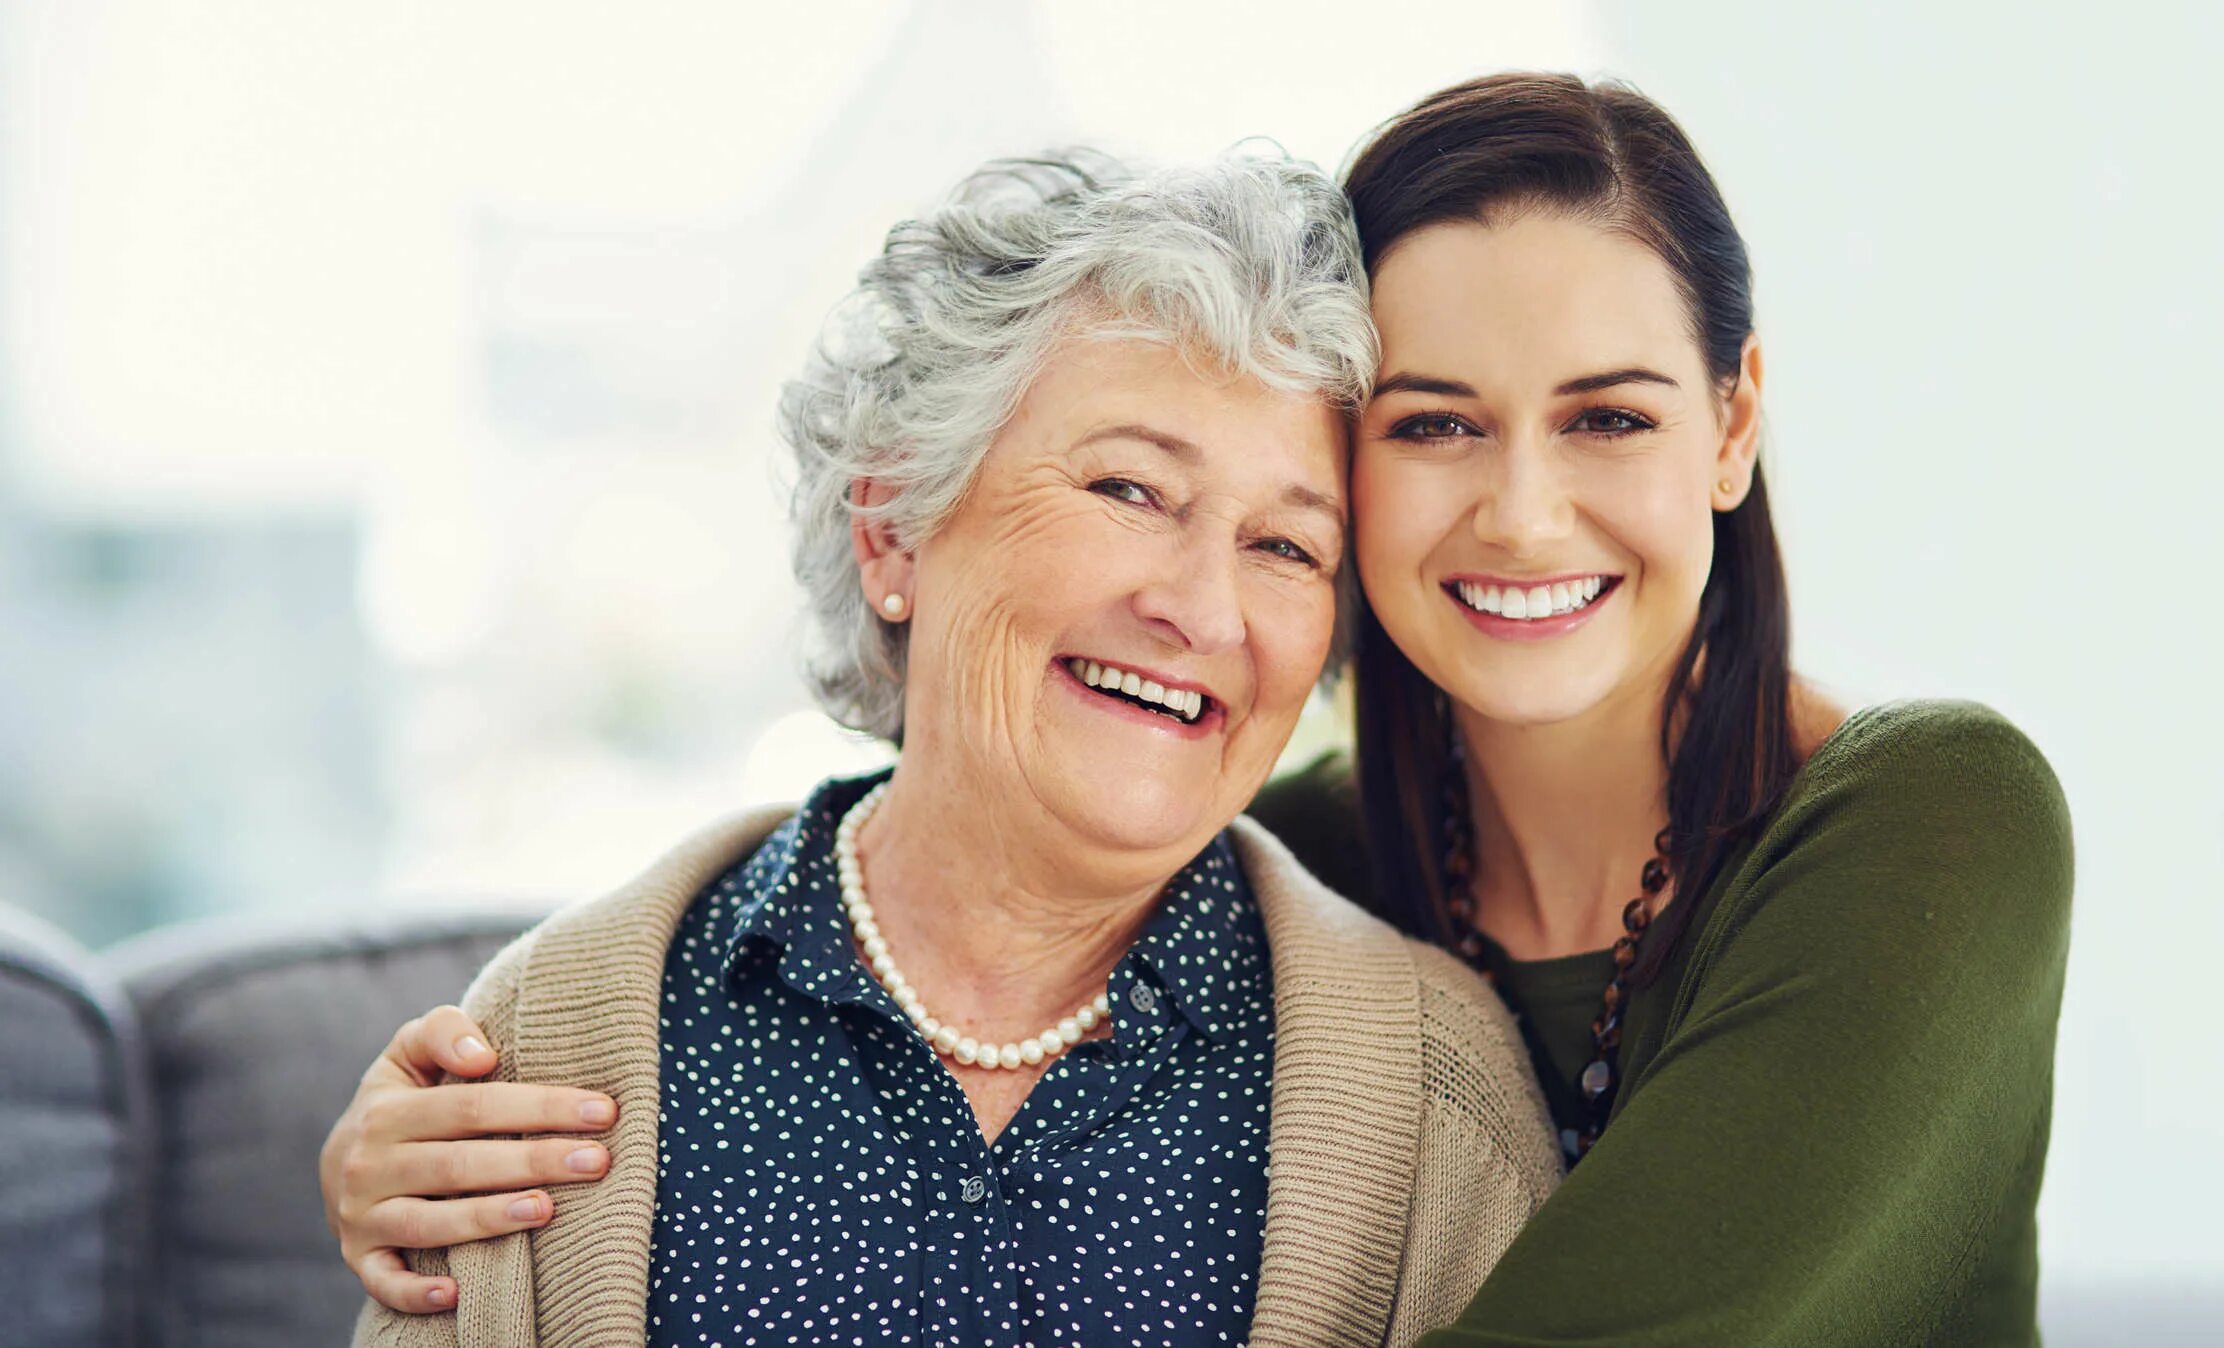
[{"x": 388, "y": 497}]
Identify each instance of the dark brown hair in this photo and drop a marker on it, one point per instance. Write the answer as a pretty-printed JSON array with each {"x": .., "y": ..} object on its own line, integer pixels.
[{"x": 1608, "y": 154}]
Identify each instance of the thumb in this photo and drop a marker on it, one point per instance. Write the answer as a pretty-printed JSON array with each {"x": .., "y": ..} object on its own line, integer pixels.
[{"x": 443, "y": 1040}]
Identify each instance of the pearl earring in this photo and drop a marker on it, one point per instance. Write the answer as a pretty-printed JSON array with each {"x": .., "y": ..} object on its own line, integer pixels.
[{"x": 893, "y": 605}]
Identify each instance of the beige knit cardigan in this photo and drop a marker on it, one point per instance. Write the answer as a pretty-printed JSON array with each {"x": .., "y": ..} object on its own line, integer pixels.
[{"x": 1408, "y": 1142}]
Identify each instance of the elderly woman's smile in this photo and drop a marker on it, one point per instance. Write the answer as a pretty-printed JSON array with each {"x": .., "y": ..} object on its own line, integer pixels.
[{"x": 1121, "y": 622}]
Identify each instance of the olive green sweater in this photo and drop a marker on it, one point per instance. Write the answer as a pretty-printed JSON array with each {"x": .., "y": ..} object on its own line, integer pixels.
[{"x": 1836, "y": 1097}]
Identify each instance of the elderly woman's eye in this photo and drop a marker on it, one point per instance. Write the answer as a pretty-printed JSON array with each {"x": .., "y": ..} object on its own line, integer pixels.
[
  {"x": 1122, "y": 489},
  {"x": 1611, "y": 421},
  {"x": 1430, "y": 426},
  {"x": 1282, "y": 547}
]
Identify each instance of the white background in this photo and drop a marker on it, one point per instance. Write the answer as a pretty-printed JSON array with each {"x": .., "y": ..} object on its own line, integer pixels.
[{"x": 389, "y": 385}]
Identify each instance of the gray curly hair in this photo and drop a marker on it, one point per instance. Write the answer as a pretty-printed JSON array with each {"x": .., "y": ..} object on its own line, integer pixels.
[{"x": 1247, "y": 261}]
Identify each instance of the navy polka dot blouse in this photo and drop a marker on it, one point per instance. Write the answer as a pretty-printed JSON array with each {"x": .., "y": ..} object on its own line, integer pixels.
[{"x": 822, "y": 1179}]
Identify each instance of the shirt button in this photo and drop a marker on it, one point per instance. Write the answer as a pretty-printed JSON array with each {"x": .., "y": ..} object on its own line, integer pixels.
[
  {"x": 974, "y": 1189},
  {"x": 1144, "y": 998}
]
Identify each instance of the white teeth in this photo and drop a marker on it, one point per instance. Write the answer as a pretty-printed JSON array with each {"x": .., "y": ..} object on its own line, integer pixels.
[
  {"x": 1184, "y": 702},
  {"x": 1482, "y": 598},
  {"x": 1537, "y": 601}
]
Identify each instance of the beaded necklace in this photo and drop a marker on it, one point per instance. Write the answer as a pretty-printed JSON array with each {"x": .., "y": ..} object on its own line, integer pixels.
[{"x": 1600, "y": 1077}]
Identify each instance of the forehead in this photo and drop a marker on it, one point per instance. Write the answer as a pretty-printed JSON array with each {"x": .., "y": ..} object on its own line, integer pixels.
[{"x": 1540, "y": 293}]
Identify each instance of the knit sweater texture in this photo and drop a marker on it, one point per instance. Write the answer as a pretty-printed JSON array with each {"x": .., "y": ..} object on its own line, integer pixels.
[{"x": 1409, "y": 1143}]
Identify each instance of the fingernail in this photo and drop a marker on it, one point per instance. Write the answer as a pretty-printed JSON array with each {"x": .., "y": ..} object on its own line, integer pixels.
[
  {"x": 470, "y": 1047},
  {"x": 438, "y": 1296},
  {"x": 584, "y": 1159},
  {"x": 525, "y": 1210},
  {"x": 597, "y": 1111}
]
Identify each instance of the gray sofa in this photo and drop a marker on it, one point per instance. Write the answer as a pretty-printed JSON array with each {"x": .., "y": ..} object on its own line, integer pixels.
[{"x": 161, "y": 1107}]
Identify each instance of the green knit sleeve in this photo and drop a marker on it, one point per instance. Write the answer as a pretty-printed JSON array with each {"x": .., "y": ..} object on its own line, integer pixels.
[{"x": 1839, "y": 1138}]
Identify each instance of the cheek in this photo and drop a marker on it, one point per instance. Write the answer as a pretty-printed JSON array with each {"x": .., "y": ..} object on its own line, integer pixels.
[
  {"x": 1015, "y": 570},
  {"x": 1291, "y": 630},
  {"x": 1399, "y": 511},
  {"x": 1664, "y": 521}
]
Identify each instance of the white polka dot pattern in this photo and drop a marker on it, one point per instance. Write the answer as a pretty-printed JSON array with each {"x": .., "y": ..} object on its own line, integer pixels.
[{"x": 822, "y": 1179}]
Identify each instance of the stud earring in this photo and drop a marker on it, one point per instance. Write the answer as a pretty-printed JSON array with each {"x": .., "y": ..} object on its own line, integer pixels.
[
  {"x": 1724, "y": 486},
  {"x": 893, "y": 605}
]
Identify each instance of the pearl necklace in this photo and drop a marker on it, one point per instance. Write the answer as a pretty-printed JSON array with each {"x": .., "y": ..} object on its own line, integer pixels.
[{"x": 945, "y": 1038}]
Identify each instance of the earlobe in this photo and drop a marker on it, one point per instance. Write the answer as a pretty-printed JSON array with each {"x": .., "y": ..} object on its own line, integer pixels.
[
  {"x": 1741, "y": 431},
  {"x": 884, "y": 567}
]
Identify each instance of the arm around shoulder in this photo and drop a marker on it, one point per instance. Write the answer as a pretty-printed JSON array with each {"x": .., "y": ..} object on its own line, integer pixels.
[{"x": 494, "y": 1276}]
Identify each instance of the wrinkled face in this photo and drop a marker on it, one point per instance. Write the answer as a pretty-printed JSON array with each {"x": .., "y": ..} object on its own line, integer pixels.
[
  {"x": 1121, "y": 623},
  {"x": 1537, "y": 473}
]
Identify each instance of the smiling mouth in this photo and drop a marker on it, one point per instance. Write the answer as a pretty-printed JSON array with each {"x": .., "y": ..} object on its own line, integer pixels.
[
  {"x": 1535, "y": 602},
  {"x": 1184, "y": 705}
]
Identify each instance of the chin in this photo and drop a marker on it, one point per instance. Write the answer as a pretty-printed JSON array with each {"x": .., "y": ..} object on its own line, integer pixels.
[
  {"x": 1533, "y": 698},
  {"x": 1143, "y": 814}
]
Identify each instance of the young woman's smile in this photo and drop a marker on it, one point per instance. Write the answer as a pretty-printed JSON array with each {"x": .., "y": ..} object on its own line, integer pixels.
[{"x": 1532, "y": 609}]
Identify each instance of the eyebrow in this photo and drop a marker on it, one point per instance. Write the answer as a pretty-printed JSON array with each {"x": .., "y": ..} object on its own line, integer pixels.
[
  {"x": 1308, "y": 499},
  {"x": 1635, "y": 374},
  {"x": 1188, "y": 454},
  {"x": 1407, "y": 382},
  {"x": 1404, "y": 382},
  {"x": 1181, "y": 450}
]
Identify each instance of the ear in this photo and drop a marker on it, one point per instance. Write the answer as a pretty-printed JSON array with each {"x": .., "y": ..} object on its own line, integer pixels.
[
  {"x": 1741, "y": 432},
  {"x": 884, "y": 568}
]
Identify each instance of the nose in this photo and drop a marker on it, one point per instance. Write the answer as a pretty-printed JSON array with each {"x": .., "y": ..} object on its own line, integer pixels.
[
  {"x": 1524, "y": 506},
  {"x": 1195, "y": 600}
]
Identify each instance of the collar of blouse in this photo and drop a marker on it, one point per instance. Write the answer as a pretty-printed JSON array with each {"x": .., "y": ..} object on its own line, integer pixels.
[{"x": 791, "y": 921}]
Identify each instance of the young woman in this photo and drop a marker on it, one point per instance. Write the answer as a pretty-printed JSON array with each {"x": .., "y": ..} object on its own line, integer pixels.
[{"x": 1789, "y": 976}]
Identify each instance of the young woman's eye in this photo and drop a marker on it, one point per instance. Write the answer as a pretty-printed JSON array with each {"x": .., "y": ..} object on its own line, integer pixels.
[
  {"x": 1124, "y": 489},
  {"x": 1284, "y": 548},
  {"x": 1430, "y": 426},
  {"x": 1611, "y": 421}
]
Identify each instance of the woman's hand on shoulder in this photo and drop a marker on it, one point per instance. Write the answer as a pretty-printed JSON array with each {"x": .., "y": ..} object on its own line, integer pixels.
[{"x": 407, "y": 1145}]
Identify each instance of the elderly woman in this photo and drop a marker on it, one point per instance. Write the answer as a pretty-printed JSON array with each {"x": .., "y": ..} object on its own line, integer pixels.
[{"x": 994, "y": 1048}]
